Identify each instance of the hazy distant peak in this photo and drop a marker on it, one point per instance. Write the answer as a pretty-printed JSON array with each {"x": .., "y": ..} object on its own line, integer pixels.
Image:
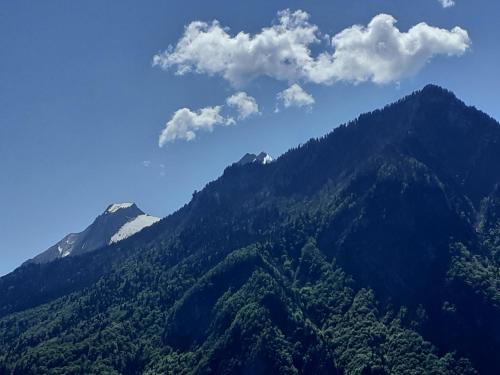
[{"x": 262, "y": 158}]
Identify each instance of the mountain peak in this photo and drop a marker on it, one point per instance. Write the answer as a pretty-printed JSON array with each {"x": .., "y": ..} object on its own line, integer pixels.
[
  {"x": 119, "y": 221},
  {"x": 433, "y": 87},
  {"x": 118, "y": 206},
  {"x": 435, "y": 92},
  {"x": 262, "y": 158}
]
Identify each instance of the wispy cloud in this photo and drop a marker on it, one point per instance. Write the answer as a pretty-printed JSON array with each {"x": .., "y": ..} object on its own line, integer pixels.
[
  {"x": 378, "y": 52},
  {"x": 447, "y": 3},
  {"x": 245, "y": 104},
  {"x": 294, "y": 96},
  {"x": 186, "y": 123}
]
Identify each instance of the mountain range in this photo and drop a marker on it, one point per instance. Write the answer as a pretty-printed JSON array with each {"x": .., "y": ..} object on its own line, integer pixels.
[{"x": 372, "y": 250}]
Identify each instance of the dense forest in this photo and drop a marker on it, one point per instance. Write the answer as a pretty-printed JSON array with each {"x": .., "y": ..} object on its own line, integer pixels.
[{"x": 372, "y": 250}]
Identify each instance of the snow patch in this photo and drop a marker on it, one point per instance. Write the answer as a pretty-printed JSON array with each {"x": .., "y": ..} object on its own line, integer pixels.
[
  {"x": 63, "y": 252},
  {"x": 65, "y": 246},
  {"x": 267, "y": 159},
  {"x": 262, "y": 158},
  {"x": 133, "y": 226},
  {"x": 118, "y": 206}
]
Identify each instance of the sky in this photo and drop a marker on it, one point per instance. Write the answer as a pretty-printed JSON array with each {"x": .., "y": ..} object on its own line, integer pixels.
[{"x": 146, "y": 102}]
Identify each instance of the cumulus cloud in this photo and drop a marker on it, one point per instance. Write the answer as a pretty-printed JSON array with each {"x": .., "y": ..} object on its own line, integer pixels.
[
  {"x": 447, "y": 3},
  {"x": 381, "y": 53},
  {"x": 245, "y": 104},
  {"x": 278, "y": 51},
  {"x": 185, "y": 123},
  {"x": 295, "y": 96},
  {"x": 378, "y": 52}
]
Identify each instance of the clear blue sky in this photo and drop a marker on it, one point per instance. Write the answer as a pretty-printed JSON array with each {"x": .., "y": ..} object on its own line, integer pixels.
[{"x": 81, "y": 106}]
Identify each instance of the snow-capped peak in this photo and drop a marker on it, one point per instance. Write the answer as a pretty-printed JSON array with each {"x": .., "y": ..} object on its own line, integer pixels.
[
  {"x": 262, "y": 158},
  {"x": 119, "y": 221},
  {"x": 118, "y": 206}
]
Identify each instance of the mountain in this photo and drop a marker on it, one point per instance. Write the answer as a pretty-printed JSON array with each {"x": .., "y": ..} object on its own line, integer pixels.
[
  {"x": 262, "y": 158},
  {"x": 119, "y": 221},
  {"x": 372, "y": 250}
]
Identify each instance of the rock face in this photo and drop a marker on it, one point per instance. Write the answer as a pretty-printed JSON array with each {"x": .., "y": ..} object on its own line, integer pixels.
[
  {"x": 117, "y": 222},
  {"x": 262, "y": 158}
]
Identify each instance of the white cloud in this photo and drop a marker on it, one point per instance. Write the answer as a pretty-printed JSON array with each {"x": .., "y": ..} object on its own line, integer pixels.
[
  {"x": 381, "y": 53},
  {"x": 245, "y": 104},
  {"x": 185, "y": 123},
  {"x": 277, "y": 51},
  {"x": 447, "y": 3},
  {"x": 146, "y": 163},
  {"x": 230, "y": 121},
  {"x": 295, "y": 96},
  {"x": 378, "y": 52}
]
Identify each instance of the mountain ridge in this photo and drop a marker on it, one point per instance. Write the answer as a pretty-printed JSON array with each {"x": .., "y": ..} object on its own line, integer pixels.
[{"x": 371, "y": 250}]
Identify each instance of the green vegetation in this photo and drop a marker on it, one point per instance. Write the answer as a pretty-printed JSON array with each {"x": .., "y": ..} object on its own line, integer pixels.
[{"x": 371, "y": 251}]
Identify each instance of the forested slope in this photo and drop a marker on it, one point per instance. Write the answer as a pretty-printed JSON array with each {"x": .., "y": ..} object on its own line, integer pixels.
[{"x": 373, "y": 250}]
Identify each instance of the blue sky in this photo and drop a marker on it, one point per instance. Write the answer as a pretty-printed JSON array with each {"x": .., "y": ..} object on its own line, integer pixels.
[{"x": 82, "y": 107}]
